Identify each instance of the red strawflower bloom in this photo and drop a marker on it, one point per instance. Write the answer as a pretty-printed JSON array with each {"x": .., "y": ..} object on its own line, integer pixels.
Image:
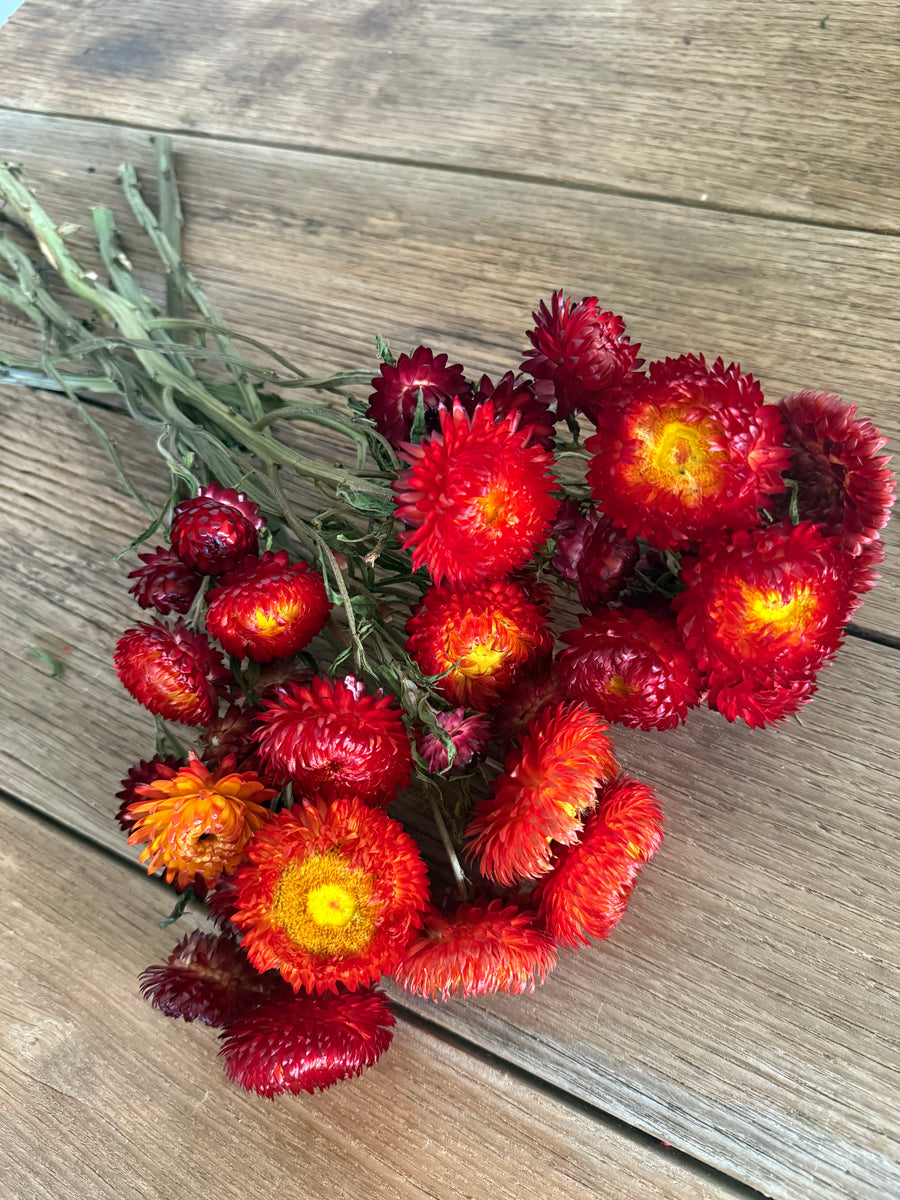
[
  {"x": 307, "y": 1043},
  {"x": 530, "y": 398},
  {"x": 334, "y": 740},
  {"x": 586, "y": 893},
  {"x": 206, "y": 978},
  {"x": 198, "y": 822},
  {"x": 172, "y": 672},
  {"x": 845, "y": 484},
  {"x": 771, "y": 603},
  {"x": 146, "y": 771},
  {"x": 392, "y": 405},
  {"x": 550, "y": 781},
  {"x": 593, "y": 553},
  {"x": 692, "y": 452},
  {"x": 469, "y": 736},
  {"x": 231, "y": 733},
  {"x": 582, "y": 350},
  {"x": 744, "y": 696},
  {"x": 480, "y": 640},
  {"x": 486, "y": 946},
  {"x": 862, "y": 573},
  {"x": 330, "y": 896},
  {"x": 478, "y": 496},
  {"x": 165, "y": 582},
  {"x": 268, "y": 608},
  {"x": 632, "y": 667},
  {"x": 215, "y": 529}
]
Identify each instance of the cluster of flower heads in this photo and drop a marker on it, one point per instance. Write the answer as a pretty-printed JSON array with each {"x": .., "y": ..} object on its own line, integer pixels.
[{"x": 718, "y": 545}]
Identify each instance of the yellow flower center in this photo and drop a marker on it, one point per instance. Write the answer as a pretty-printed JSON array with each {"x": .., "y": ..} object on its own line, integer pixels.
[
  {"x": 680, "y": 457},
  {"x": 325, "y": 906},
  {"x": 494, "y": 506},
  {"x": 267, "y": 620},
  {"x": 618, "y": 686},
  {"x": 767, "y": 611},
  {"x": 482, "y": 658}
]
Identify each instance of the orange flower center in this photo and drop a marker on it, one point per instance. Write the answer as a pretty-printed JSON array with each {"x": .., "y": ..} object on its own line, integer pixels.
[
  {"x": 325, "y": 906},
  {"x": 494, "y": 506},
  {"x": 767, "y": 611},
  {"x": 618, "y": 686},
  {"x": 680, "y": 457}
]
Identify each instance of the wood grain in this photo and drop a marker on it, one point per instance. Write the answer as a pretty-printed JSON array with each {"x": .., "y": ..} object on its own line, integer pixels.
[
  {"x": 103, "y": 1098},
  {"x": 784, "y": 108},
  {"x": 315, "y": 255},
  {"x": 744, "y": 1011}
]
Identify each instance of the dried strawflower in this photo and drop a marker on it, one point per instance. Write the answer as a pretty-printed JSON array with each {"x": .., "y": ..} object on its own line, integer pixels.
[
  {"x": 215, "y": 529},
  {"x": 172, "y": 672},
  {"x": 330, "y": 896},
  {"x": 146, "y": 771},
  {"x": 530, "y": 398},
  {"x": 593, "y": 553},
  {"x": 469, "y": 736},
  {"x": 393, "y": 403},
  {"x": 164, "y": 582}
]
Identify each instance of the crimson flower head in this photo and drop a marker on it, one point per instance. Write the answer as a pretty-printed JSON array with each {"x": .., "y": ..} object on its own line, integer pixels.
[
  {"x": 207, "y": 978},
  {"x": 330, "y": 896},
  {"x": 215, "y": 529},
  {"x": 479, "y": 639},
  {"x": 692, "y": 452},
  {"x": 586, "y": 893},
  {"x": 333, "y": 740},
  {"x": 770, "y": 603},
  {"x": 268, "y": 608},
  {"x": 196, "y": 822},
  {"x": 477, "y": 496},
  {"x": 593, "y": 553},
  {"x": 530, "y": 398},
  {"x": 392, "y": 405},
  {"x": 632, "y": 667},
  {"x": 582, "y": 350},
  {"x": 469, "y": 736},
  {"x": 549, "y": 783},
  {"x": 486, "y": 946},
  {"x": 845, "y": 485},
  {"x": 306, "y": 1043},
  {"x": 146, "y": 771},
  {"x": 171, "y": 672},
  {"x": 164, "y": 582}
]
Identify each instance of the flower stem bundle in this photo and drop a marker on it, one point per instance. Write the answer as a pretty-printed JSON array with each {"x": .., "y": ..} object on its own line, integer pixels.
[{"x": 316, "y": 666}]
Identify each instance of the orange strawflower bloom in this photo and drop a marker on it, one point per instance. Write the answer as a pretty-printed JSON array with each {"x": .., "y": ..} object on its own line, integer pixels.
[
  {"x": 171, "y": 672},
  {"x": 477, "y": 495},
  {"x": 268, "y": 608},
  {"x": 550, "y": 782},
  {"x": 586, "y": 893},
  {"x": 693, "y": 451},
  {"x": 197, "y": 822},
  {"x": 333, "y": 740},
  {"x": 486, "y": 946},
  {"x": 307, "y": 1043},
  {"x": 330, "y": 896},
  {"x": 480, "y": 640}
]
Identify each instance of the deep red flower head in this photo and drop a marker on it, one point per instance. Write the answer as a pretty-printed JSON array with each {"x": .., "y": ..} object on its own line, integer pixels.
[
  {"x": 586, "y": 893},
  {"x": 479, "y": 639},
  {"x": 632, "y": 667},
  {"x": 207, "y": 978},
  {"x": 197, "y": 822},
  {"x": 845, "y": 484},
  {"x": 331, "y": 895},
  {"x": 230, "y": 734},
  {"x": 486, "y": 946},
  {"x": 771, "y": 603},
  {"x": 164, "y": 582},
  {"x": 146, "y": 771},
  {"x": 582, "y": 350},
  {"x": 215, "y": 529},
  {"x": 333, "y": 740},
  {"x": 691, "y": 453},
  {"x": 478, "y": 497},
  {"x": 307, "y": 1043},
  {"x": 392, "y": 405},
  {"x": 550, "y": 781},
  {"x": 469, "y": 736},
  {"x": 530, "y": 398},
  {"x": 534, "y": 690},
  {"x": 743, "y": 696},
  {"x": 172, "y": 672},
  {"x": 268, "y": 608},
  {"x": 593, "y": 553}
]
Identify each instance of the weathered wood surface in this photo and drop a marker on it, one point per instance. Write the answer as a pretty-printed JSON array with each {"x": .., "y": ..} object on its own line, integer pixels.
[
  {"x": 785, "y": 109},
  {"x": 314, "y": 255},
  {"x": 101, "y": 1097},
  {"x": 744, "y": 1011}
]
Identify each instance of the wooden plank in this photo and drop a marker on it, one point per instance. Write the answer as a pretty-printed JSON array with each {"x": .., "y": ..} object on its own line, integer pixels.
[
  {"x": 315, "y": 255},
  {"x": 102, "y": 1097},
  {"x": 785, "y": 108},
  {"x": 744, "y": 1010}
]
